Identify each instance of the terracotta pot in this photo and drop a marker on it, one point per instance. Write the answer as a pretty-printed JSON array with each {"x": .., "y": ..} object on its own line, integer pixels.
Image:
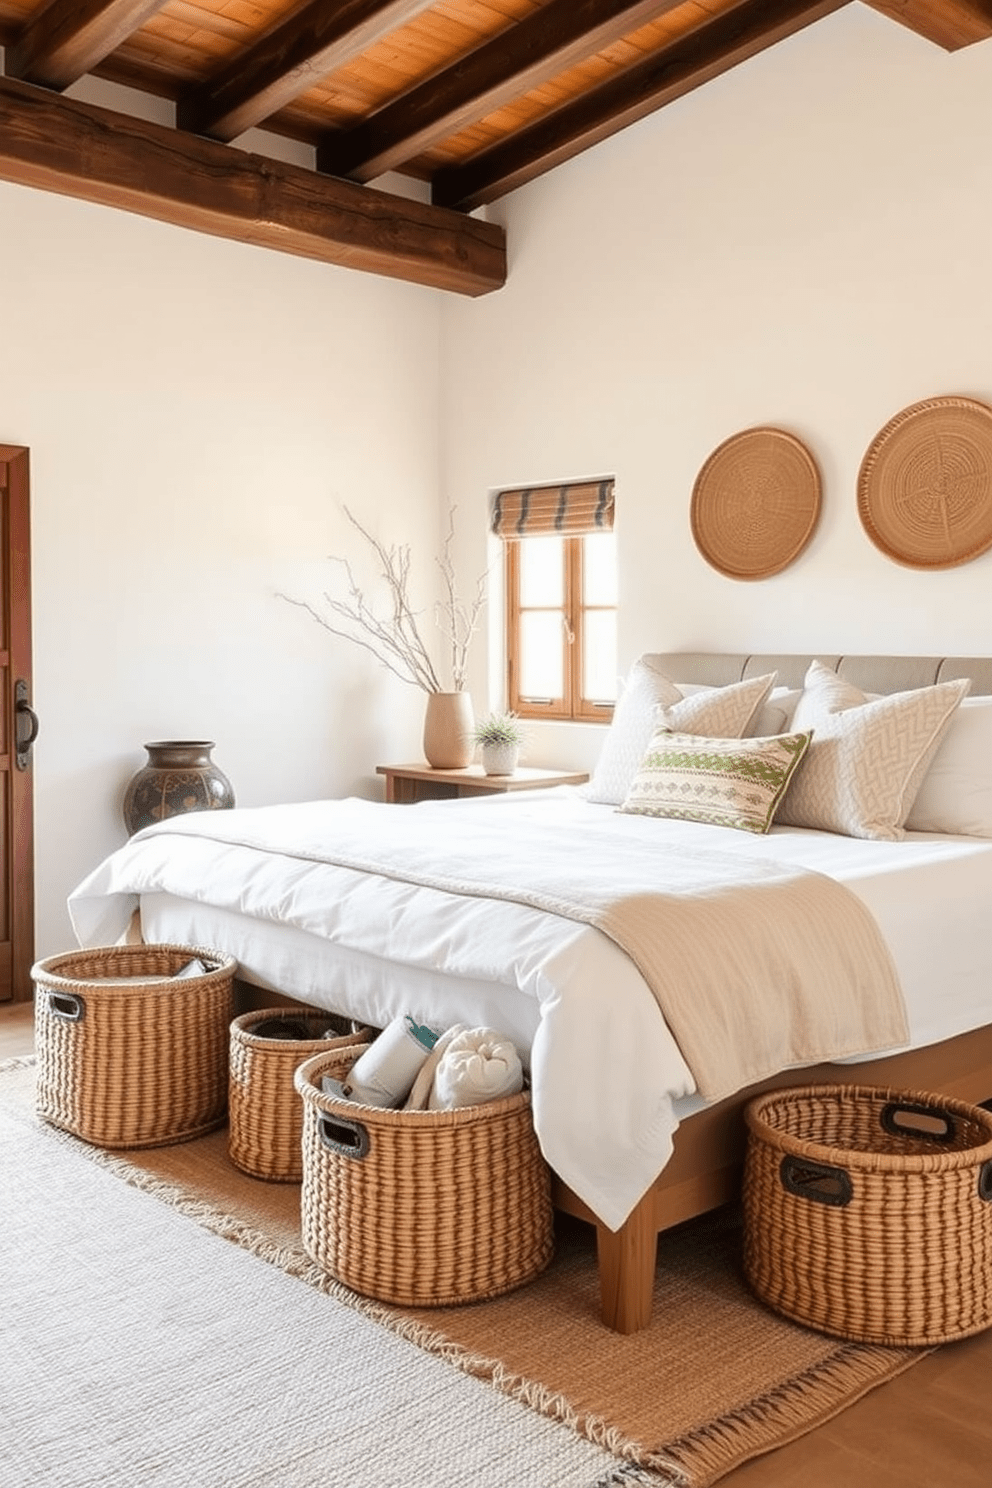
[
  {"x": 448, "y": 725},
  {"x": 179, "y": 776}
]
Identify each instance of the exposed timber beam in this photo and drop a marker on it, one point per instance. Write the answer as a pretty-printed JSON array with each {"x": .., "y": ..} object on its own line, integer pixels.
[
  {"x": 950, "y": 24},
  {"x": 68, "y": 38},
  {"x": 289, "y": 60},
  {"x": 709, "y": 50},
  {"x": 543, "y": 46},
  {"x": 75, "y": 149}
]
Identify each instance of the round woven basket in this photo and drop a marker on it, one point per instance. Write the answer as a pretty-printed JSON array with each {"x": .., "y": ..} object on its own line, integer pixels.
[
  {"x": 925, "y": 484},
  {"x": 868, "y": 1212},
  {"x": 422, "y": 1208},
  {"x": 755, "y": 503},
  {"x": 129, "y": 1054},
  {"x": 266, "y": 1113}
]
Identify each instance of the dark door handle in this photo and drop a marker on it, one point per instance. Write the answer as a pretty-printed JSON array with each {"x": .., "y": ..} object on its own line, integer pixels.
[{"x": 24, "y": 713}]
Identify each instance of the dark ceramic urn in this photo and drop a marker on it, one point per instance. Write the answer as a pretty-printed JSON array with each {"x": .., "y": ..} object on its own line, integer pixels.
[{"x": 179, "y": 776}]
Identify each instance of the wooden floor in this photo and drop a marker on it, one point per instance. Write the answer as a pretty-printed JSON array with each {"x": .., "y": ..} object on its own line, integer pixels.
[
  {"x": 16, "y": 1029},
  {"x": 929, "y": 1428}
]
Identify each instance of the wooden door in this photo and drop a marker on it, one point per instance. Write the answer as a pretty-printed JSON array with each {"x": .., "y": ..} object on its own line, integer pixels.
[{"x": 18, "y": 727}]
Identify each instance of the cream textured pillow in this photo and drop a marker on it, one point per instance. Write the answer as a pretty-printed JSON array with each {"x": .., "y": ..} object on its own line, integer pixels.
[
  {"x": 650, "y": 699},
  {"x": 718, "y": 712},
  {"x": 867, "y": 760},
  {"x": 629, "y": 734},
  {"x": 724, "y": 782},
  {"x": 956, "y": 794},
  {"x": 824, "y": 692}
]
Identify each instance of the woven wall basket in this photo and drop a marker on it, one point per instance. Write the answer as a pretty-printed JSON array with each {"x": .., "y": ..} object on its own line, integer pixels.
[
  {"x": 925, "y": 484},
  {"x": 868, "y": 1212},
  {"x": 422, "y": 1208},
  {"x": 266, "y": 1114},
  {"x": 755, "y": 503},
  {"x": 128, "y": 1057}
]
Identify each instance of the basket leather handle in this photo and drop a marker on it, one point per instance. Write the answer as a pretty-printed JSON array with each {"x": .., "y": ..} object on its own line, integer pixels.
[
  {"x": 907, "y": 1119},
  {"x": 66, "y": 1005},
  {"x": 985, "y": 1181},
  {"x": 817, "y": 1181},
  {"x": 349, "y": 1138}
]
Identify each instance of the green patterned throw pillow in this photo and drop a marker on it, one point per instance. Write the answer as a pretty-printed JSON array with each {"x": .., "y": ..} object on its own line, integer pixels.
[{"x": 725, "y": 782}]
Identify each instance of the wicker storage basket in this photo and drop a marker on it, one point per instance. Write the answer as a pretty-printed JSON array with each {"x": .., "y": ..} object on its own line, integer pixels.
[
  {"x": 126, "y": 1056},
  {"x": 868, "y": 1212},
  {"x": 423, "y": 1208},
  {"x": 266, "y": 1113}
]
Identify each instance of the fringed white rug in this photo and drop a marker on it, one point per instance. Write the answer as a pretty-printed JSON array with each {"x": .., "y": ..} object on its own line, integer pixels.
[{"x": 141, "y": 1349}]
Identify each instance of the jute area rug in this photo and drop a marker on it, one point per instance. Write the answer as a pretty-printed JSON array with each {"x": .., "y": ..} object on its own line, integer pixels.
[{"x": 715, "y": 1380}]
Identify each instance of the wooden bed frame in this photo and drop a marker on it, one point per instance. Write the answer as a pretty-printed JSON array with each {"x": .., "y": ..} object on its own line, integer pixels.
[
  {"x": 705, "y": 1167},
  {"x": 704, "y": 1170}
]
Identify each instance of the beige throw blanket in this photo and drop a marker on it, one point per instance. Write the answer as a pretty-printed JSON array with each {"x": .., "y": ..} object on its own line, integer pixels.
[
  {"x": 785, "y": 967},
  {"x": 755, "y": 965}
]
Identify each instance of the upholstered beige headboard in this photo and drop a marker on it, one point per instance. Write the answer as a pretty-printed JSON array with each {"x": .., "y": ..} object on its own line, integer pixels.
[{"x": 870, "y": 673}]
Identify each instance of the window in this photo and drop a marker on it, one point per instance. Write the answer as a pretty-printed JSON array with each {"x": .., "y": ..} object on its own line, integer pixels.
[{"x": 561, "y": 599}]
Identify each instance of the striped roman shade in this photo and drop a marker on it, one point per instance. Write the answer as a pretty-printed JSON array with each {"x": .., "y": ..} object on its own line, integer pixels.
[{"x": 548, "y": 511}]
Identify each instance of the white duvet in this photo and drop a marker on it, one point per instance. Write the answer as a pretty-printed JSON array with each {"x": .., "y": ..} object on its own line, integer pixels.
[{"x": 608, "y": 1081}]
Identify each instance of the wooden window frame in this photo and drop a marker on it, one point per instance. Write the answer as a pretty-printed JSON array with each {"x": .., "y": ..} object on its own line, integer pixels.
[{"x": 572, "y": 706}]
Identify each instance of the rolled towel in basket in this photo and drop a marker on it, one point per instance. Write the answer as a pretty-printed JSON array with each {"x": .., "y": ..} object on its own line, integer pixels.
[
  {"x": 477, "y": 1065},
  {"x": 384, "y": 1074}
]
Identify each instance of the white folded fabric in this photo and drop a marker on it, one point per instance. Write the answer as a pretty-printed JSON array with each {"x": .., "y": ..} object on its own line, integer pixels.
[
  {"x": 477, "y": 1065},
  {"x": 423, "y": 1085}
]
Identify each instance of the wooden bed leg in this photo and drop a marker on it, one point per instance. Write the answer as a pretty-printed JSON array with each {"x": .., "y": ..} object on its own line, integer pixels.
[{"x": 627, "y": 1259}]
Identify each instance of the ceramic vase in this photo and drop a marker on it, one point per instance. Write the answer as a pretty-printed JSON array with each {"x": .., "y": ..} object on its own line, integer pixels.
[
  {"x": 179, "y": 776},
  {"x": 448, "y": 725},
  {"x": 500, "y": 759}
]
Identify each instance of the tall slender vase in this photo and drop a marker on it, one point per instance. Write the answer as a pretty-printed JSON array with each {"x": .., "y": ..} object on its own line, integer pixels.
[
  {"x": 179, "y": 776},
  {"x": 448, "y": 726}
]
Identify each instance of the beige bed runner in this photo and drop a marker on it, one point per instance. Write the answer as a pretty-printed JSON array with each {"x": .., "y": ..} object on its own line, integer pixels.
[{"x": 755, "y": 965}]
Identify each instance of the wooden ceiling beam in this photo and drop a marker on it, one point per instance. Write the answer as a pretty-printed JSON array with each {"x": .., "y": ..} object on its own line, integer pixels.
[
  {"x": 711, "y": 49},
  {"x": 68, "y": 38},
  {"x": 74, "y": 149},
  {"x": 280, "y": 66},
  {"x": 950, "y": 24},
  {"x": 522, "y": 57}
]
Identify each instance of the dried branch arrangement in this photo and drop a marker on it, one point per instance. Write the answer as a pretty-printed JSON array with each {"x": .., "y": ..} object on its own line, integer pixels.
[{"x": 395, "y": 639}]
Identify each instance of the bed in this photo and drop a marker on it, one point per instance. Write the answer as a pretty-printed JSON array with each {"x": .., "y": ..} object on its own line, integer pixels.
[{"x": 633, "y": 1145}]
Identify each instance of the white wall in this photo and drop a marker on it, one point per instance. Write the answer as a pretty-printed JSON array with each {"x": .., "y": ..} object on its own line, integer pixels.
[
  {"x": 196, "y": 412},
  {"x": 804, "y": 242}
]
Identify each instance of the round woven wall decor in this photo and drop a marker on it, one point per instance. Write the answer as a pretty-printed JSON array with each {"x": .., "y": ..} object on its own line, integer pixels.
[
  {"x": 755, "y": 503},
  {"x": 925, "y": 485}
]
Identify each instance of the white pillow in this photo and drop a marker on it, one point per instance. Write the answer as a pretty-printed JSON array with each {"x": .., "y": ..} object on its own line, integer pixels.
[
  {"x": 651, "y": 700},
  {"x": 861, "y": 773},
  {"x": 956, "y": 794},
  {"x": 775, "y": 715},
  {"x": 629, "y": 734}
]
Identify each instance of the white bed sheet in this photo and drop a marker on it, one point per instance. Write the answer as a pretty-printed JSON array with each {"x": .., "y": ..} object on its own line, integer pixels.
[{"x": 609, "y": 1084}]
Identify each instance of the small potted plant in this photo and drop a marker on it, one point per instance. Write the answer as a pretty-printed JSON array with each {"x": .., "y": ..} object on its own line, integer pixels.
[{"x": 501, "y": 737}]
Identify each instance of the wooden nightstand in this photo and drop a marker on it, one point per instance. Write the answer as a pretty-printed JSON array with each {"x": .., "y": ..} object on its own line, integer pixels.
[{"x": 406, "y": 784}]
